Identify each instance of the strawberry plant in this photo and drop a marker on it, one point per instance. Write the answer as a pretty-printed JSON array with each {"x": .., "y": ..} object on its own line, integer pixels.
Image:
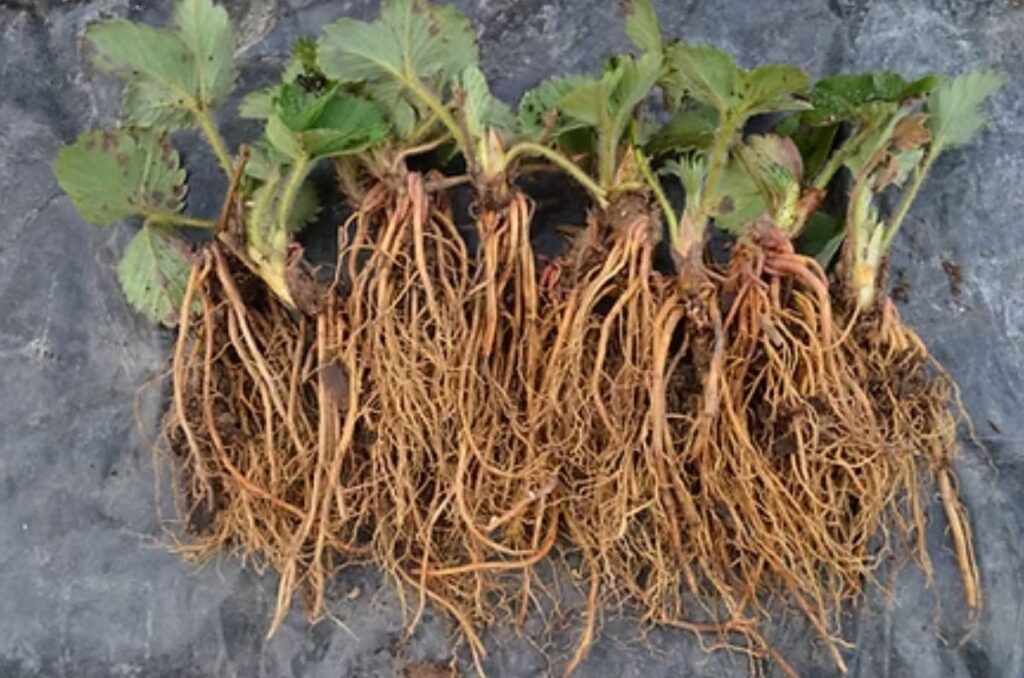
[{"x": 727, "y": 425}]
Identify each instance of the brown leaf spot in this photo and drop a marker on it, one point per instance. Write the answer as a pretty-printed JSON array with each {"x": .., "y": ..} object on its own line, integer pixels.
[
  {"x": 121, "y": 159},
  {"x": 726, "y": 206},
  {"x": 108, "y": 141}
]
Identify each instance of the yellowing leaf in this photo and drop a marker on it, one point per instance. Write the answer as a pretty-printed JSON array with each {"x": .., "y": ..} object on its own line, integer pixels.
[
  {"x": 112, "y": 175},
  {"x": 154, "y": 272}
]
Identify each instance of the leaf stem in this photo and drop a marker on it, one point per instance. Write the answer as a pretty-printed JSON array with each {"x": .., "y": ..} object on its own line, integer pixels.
[
  {"x": 443, "y": 114},
  {"x": 717, "y": 159},
  {"x": 570, "y": 168},
  {"x": 172, "y": 219},
  {"x": 216, "y": 141},
  {"x": 839, "y": 158},
  {"x": 291, "y": 189},
  {"x": 659, "y": 195},
  {"x": 920, "y": 172}
]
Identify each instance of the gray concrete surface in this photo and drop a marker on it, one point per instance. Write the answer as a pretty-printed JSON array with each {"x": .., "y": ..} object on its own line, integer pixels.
[{"x": 87, "y": 590}]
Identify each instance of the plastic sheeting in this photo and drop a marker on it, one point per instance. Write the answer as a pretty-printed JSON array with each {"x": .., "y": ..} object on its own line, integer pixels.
[{"x": 86, "y": 587}]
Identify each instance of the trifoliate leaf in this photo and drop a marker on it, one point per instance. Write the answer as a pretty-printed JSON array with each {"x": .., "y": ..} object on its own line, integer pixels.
[
  {"x": 954, "y": 107},
  {"x": 690, "y": 129},
  {"x": 110, "y": 175},
  {"x": 206, "y": 29},
  {"x": 642, "y": 25},
  {"x": 154, "y": 272},
  {"x": 170, "y": 74},
  {"x": 412, "y": 52}
]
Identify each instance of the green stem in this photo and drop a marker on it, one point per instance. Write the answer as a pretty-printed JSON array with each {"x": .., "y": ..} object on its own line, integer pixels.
[
  {"x": 172, "y": 219},
  {"x": 839, "y": 158},
  {"x": 291, "y": 189},
  {"x": 442, "y": 113},
  {"x": 570, "y": 168},
  {"x": 717, "y": 160},
  {"x": 421, "y": 129},
  {"x": 216, "y": 141},
  {"x": 659, "y": 195},
  {"x": 920, "y": 172}
]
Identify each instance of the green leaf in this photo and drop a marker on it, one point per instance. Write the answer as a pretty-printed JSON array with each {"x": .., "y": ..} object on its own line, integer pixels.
[
  {"x": 305, "y": 209},
  {"x": 642, "y": 25},
  {"x": 412, "y": 52},
  {"x": 318, "y": 126},
  {"x": 206, "y": 29},
  {"x": 690, "y": 171},
  {"x": 482, "y": 110},
  {"x": 822, "y": 237},
  {"x": 954, "y": 108},
  {"x": 839, "y": 97},
  {"x": 112, "y": 175},
  {"x": 712, "y": 77},
  {"x": 154, "y": 273},
  {"x": 771, "y": 88},
  {"x": 346, "y": 125},
  {"x": 539, "y": 106},
  {"x": 170, "y": 74},
  {"x": 284, "y": 140},
  {"x": 690, "y": 129},
  {"x": 157, "y": 66},
  {"x": 297, "y": 108},
  {"x": 740, "y": 199},
  {"x": 706, "y": 73},
  {"x": 607, "y": 104},
  {"x": 258, "y": 105},
  {"x": 303, "y": 60}
]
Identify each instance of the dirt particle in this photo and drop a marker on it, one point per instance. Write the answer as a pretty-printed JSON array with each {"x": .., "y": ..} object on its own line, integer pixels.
[
  {"x": 429, "y": 670},
  {"x": 955, "y": 276},
  {"x": 901, "y": 288}
]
